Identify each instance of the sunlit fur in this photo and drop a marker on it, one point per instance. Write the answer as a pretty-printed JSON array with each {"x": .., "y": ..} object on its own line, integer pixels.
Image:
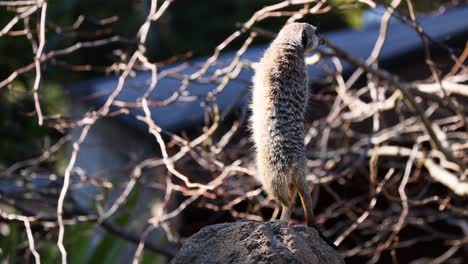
[{"x": 278, "y": 106}]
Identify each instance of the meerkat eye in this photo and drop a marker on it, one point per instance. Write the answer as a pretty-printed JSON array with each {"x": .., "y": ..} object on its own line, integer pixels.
[{"x": 304, "y": 39}]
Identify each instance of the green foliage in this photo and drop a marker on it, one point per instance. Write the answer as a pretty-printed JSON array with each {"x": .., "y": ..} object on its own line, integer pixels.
[
  {"x": 49, "y": 252},
  {"x": 10, "y": 238},
  {"x": 197, "y": 28},
  {"x": 80, "y": 236},
  {"x": 20, "y": 136}
]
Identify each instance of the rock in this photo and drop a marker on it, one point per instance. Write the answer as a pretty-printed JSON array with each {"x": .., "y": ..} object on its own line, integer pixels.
[{"x": 256, "y": 242}]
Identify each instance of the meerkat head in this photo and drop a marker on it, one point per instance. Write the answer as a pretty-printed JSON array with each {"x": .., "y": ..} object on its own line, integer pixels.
[{"x": 299, "y": 34}]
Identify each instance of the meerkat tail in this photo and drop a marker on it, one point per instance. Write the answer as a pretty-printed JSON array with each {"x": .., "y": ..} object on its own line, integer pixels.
[{"x": 306, "y": 200}]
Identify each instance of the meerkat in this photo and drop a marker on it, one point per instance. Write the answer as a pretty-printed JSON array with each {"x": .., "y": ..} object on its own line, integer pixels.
[{"x": 279, "y": 101}]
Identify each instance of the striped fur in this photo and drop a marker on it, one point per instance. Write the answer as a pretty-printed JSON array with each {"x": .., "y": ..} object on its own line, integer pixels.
[{"x": 278, "y": 106}]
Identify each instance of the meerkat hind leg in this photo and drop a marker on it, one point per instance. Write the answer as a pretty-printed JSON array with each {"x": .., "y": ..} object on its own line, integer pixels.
[
  {"x": 289, "y": 203},
  {"x": 286, "y": 213}
]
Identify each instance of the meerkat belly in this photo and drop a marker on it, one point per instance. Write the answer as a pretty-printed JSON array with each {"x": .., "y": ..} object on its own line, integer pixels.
[{"x": 278, "y": 119}]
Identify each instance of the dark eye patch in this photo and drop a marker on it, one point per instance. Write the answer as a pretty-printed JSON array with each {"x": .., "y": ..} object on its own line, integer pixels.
[{"x": 304, "y": 39}]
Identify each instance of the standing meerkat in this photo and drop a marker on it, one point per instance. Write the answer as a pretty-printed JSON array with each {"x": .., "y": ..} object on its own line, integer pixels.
[{"x": 279, "y": 100}]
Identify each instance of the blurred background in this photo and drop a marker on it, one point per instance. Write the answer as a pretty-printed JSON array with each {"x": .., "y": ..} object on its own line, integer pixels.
[{"x": 142, "y": 178}]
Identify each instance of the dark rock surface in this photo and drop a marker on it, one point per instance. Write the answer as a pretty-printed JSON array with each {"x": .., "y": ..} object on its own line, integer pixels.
[{"x": 256, "y": 242}]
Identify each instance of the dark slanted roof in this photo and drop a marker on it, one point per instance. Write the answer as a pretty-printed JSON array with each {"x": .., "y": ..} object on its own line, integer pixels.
[{"x": 402, "y": 46}]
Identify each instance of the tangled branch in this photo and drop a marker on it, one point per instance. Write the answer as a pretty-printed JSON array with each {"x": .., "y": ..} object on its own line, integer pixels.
[{"x": 387, "y": 156}]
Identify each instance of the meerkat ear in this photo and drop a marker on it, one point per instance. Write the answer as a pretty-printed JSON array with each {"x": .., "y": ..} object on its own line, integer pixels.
[{"x": 304, "y": 38}]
